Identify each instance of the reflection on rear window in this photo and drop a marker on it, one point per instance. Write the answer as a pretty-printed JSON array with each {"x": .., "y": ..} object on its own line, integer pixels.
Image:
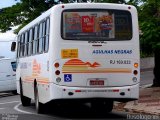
[
  {"x": 96, "y": 25},
  {"x": 13, "y": 66}
]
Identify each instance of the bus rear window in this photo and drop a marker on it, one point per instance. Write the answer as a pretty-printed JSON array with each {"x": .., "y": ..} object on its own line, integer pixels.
[{"x": 101, "y": 25}]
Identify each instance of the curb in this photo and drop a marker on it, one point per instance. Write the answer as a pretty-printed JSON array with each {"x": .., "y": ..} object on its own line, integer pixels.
[{"x": 145, "y": 86}]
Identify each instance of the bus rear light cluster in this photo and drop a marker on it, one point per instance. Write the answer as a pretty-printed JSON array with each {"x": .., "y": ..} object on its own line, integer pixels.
[{"x": 57, "y": 72}]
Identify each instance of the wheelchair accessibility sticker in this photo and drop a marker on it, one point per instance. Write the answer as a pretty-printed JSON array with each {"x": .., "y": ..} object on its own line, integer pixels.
[{"x": 67, "y": 78}]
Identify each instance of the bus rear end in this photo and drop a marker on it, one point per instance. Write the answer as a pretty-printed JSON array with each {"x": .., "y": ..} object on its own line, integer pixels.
[{"x": 98, "y": 53}]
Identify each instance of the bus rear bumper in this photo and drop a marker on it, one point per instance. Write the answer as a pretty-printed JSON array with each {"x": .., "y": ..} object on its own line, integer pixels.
[{"x": 118, "y": 93}]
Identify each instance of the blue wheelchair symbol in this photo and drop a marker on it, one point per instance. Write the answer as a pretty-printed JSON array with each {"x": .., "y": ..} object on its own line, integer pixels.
[{"x": 67, "y": 78}]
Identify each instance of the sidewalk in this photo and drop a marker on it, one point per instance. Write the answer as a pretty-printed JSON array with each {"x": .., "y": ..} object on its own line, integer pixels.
[{"x": 148, "y": 103}]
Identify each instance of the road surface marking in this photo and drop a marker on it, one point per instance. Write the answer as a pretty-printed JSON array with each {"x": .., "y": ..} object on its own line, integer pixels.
[
  {"x": 9, "y": 102},
  {"x": 22, "y": 111}
]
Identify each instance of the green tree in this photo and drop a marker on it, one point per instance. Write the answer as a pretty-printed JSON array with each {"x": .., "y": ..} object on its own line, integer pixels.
[
  {"x": 149, "y": 19},
  {"x": 22, "y": 13},
  {"x": 10, "y": 17},
  {"x": 113, "y": 1}
]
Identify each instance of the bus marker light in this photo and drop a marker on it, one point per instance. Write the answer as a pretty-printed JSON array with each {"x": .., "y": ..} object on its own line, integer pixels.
[
  {"x": 57, "y": 72},
  {"x": 129, "y": 7},
  {"x": 62, "y": 6}
]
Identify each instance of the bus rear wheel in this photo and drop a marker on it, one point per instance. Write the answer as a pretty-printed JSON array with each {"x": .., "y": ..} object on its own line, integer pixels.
[
  {"x": 39, "y": 106},
  {"x": 25, "y": 100},
  {"x": 102, "y": 106}
]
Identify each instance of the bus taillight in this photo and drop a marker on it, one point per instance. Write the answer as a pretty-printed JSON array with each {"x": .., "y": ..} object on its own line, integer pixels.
[{"x": 56, "y": 65}]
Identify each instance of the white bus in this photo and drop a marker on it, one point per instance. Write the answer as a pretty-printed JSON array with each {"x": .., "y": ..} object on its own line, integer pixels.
[
  {"x": 8, "y": 75},
  {"x": 80, "y": 51}
]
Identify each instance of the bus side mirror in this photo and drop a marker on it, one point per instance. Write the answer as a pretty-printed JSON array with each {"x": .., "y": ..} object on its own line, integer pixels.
[{"x": 13, "y": 46}]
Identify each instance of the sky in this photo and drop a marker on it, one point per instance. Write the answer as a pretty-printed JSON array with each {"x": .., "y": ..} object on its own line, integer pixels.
[
  {"x": 7, "y": 3},
  {"x": 9, "y": 35}
]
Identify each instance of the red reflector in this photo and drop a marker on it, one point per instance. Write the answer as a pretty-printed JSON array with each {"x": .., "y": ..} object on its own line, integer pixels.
[
  {"x": 77, "y": 90},
  {"x": 135, "y": 72},
  {"x": 116, "y": 90}
]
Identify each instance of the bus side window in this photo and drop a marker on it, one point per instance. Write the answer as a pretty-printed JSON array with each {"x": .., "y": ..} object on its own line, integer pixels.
[
  {"x": 18, "y": 47},
  {"x": 35, "y": 39},
  {"x": 40, "y": 40},
  {"x": 22, "y": 45},
  {"x": 30, "y": 42},
  {"x": 44, "y": 34},
  {"x": 26, "y": 44},
  {"x": 46, "y": 42}
]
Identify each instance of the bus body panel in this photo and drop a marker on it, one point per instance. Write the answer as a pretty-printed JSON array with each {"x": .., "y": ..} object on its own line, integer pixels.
[
  {"x": 116, "y": 69},
  {"x": 31, "y": 70}
]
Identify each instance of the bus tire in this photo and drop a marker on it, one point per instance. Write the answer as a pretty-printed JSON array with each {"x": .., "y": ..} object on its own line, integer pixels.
[
  {"x": 108, "y": 106},
  {"x": 39, "y": 106},
  {"x": 24, "y": 100},
  {"x": 102, "y": 106},
  {"x": 14, "y": 92}
]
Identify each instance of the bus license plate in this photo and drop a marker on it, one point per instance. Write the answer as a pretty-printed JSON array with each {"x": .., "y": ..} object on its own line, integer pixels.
[{"x": 96, "y": 82}]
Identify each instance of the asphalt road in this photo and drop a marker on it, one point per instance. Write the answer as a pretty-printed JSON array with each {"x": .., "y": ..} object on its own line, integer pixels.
[
  {"x": 11, "y": 108},
  {"x": 146, "y": 78}
]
